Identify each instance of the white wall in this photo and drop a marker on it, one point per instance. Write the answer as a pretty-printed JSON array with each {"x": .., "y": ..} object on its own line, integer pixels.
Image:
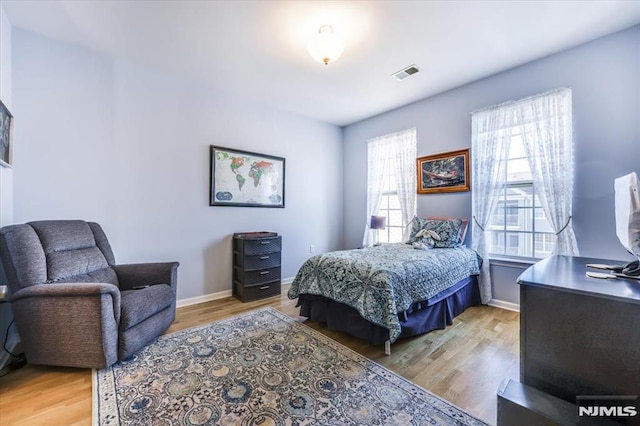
[
  {"x": 127, "y": 146},
  {"x": 6, "y": 183},
  {"x": 6, "y": 174}
]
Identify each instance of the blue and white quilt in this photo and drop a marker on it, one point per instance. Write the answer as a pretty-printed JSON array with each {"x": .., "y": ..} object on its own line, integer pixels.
[{"x": 381, "y": 282}]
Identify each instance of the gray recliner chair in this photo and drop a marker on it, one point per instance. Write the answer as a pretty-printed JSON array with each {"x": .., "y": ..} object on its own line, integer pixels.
[{"x": 73, "y": 305}]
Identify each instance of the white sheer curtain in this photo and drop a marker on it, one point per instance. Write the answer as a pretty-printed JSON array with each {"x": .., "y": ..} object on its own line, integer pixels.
[
  {"x": 375, "y": 176},
  {"x": 396, "y": 150},
  {"x": 491, "y": 131},
  {"x": 548, "y": 141},
  {"x": 545, "y": 123},
  {"x": 403, "y": 161}
]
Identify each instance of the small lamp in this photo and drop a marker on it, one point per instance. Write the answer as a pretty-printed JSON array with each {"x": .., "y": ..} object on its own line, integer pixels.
[{"x": 377, "y": 223}]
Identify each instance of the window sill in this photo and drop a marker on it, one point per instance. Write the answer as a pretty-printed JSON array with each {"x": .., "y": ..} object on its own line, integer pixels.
[{"x": 512, "y": 262}]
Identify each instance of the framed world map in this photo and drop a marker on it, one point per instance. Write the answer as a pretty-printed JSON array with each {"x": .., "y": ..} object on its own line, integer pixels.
[{"x": 246, "y": 179}]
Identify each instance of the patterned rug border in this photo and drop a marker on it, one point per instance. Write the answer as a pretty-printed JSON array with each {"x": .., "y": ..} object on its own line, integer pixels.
[{"x": 365, "y": 362}]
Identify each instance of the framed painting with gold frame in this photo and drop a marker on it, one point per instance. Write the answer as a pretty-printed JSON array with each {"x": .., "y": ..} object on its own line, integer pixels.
[{"x": 446, "y": 172}]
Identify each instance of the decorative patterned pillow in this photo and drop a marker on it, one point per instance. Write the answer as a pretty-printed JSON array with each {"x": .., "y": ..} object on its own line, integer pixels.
[
  {"x": 463, "y": 228},
  {"x": 448, "y": 230},
  {"x": 416, "y": 226}
]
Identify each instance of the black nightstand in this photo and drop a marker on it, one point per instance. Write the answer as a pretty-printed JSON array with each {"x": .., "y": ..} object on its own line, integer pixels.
[{"x": 256, "y": 265}]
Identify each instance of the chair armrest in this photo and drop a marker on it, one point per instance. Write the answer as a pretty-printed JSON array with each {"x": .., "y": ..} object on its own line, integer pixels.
[
  {"x": 139, "y": 274},
  {"x": 67, "y": 290},
  {"x": 73, "y": 290},
  {"x": 69, "y": 324}
]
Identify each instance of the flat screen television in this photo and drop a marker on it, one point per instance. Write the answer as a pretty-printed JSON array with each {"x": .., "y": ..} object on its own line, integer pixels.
[{"x": 627, "y": 202}]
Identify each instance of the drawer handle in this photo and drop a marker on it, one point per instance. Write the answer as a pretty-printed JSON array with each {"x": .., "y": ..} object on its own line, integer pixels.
[
  {"x": 264, "y": 242},
  {"x": 264, "y": 272},
  {"x": 264, "y": 287},
  {"x": 264, "y": 257}
]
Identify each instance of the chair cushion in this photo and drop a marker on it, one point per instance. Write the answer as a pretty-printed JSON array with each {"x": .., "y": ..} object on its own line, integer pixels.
[
  {"x": 61, "y": 235},
  {"x": 138, "y": 305},
  {"x": 70, "y": 248},
  {"x": 106, "y": 275},
  {"x": 65, "y": 264}
]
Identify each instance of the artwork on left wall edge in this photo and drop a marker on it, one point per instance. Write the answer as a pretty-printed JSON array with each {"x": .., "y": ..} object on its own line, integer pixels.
[
  {"x": 245, "y": 179},
  {"x": 6, "y": 136},
  {"x": 446, "y": 172}
]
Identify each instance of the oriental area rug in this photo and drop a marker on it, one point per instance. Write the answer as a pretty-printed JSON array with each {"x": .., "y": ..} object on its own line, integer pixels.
[{"x": 260, "y": 368}]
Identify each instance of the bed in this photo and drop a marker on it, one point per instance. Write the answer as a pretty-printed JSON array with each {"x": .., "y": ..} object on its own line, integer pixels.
[{"x": 382, "y": 293}]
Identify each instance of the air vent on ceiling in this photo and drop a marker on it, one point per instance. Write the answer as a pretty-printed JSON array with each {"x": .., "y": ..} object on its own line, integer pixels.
[{"x": 407, "y": 72}]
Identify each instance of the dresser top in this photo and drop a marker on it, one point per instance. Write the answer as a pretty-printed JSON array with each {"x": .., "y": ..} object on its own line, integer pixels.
[
  {"x": 567, "y": 273},
  {"x": 255, "y": 234}
]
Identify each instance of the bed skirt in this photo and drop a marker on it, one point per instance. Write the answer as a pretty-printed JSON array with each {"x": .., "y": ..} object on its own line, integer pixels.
[{"x": 432, "y": 314}]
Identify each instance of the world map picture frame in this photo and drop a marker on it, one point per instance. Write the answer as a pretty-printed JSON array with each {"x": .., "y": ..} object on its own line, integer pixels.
[{"x": 245, "y": 179}]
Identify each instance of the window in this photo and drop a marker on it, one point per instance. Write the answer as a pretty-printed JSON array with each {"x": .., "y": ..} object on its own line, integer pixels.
[
  {"x": 390, "y": 208},
  {"x": 518, "y": 223},
  {"x": 391, "y": 185},
  {"x": 522, "y": 187}
]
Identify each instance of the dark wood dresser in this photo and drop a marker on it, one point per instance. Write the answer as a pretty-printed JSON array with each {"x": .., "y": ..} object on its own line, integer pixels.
[
  {"x": 256, "y": 265},
  {"x": 579, "y": 336}
]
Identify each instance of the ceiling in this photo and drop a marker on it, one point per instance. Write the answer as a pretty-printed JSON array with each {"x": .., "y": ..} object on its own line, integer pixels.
[{"x": 257, "y": 49}]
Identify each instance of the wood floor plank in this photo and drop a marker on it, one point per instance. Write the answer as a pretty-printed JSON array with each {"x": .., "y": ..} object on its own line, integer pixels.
[{"x": 463, "y": 364}]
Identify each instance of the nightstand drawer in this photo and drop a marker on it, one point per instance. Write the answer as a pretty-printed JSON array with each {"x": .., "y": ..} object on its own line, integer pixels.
[
  {"x": 262, "y": 246},
  {"x": 257, "y": 261},
  {"x": 258, "y": 276},
  {"x": 260, "y": 291}
]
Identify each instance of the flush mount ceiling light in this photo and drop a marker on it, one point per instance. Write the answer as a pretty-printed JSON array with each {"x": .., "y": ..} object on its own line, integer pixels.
[{"x": 326, "y": 46}]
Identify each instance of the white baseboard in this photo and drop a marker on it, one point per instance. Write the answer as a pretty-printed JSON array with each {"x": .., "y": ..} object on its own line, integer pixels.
[
  {"x": 215, "y": 296},
  {"x": 510, "y": 306},
  {"x": 201, "y": 299}
]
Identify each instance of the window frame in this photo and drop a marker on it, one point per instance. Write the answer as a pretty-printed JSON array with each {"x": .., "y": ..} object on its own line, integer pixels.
[
  {"x": 506, "y": 227},
  {"x": 390, "y": 191}
]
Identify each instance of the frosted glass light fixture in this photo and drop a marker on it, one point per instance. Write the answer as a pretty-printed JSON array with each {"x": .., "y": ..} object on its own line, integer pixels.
[{"x": 326, "y": 46}]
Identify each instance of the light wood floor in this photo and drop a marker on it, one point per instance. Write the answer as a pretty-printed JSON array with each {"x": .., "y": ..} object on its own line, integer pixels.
[{"x": 463, "y": 364}]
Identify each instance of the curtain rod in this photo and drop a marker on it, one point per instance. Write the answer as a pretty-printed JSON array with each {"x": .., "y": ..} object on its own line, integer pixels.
[
  {"x": 527, "y": 98},
  {"x": 388, "y": 135}
]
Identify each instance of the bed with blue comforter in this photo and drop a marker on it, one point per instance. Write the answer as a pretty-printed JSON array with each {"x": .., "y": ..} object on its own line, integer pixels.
[{"x": 385, "y": 286}]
